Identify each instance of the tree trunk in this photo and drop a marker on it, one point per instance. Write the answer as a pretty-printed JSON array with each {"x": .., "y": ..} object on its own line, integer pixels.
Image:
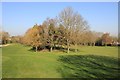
[
  {"x": 36, "y": 48},
  {"x": 91, "y": 44},
  {"x": 51, "y": 44},
  {"x": 50, "y": 49},
  {"x": 75, "y": 47},
  {"x": 68, "y": 49},
  {"x": 54, "y": 46},
  {"x": 94, "y": 44}
]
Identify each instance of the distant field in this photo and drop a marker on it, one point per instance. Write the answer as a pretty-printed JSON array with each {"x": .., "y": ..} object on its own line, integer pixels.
[{"x": 89, "y": 62}]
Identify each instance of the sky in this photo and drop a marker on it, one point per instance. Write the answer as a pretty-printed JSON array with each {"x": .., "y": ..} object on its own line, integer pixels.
[
  {"x": 17, "y": 17},
  {"x": 60, "y": 0}
]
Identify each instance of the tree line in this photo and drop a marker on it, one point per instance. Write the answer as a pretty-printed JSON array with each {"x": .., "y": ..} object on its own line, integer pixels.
[{"x": 68, "y": 28}]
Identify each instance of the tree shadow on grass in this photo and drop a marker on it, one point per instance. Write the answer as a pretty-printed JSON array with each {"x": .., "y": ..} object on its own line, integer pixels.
[{"x": 88, "y": 66}]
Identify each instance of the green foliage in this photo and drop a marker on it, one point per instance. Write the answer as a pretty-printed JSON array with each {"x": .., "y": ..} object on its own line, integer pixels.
[{"x": 51, "y": 29}]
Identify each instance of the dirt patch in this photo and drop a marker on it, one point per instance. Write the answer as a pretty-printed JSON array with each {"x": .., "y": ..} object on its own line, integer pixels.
[{"x": 4, "y": 45}]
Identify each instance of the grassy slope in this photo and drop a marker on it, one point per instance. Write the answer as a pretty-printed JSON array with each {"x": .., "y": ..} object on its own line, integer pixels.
[{"x": 18, "y": 61}]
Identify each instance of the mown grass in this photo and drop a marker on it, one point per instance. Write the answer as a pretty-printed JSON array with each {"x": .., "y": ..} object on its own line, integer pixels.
[
  {"x": 0, "y": 62},
  {"x": 90, "y": 62},
  {"x": 18, "y": 61},
  {"x": 89, "y": 66}
]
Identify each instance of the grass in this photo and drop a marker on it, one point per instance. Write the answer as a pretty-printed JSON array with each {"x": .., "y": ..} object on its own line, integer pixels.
[
  {"x": 0, "y": 62},
  {"x": 91, "y": 62},
  {"x": 18, "y": 61},
  {"x": 89, "y": 66}
]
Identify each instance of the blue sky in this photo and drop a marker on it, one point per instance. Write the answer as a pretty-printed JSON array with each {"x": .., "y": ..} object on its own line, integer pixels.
[{"x": 17, "y": 17}]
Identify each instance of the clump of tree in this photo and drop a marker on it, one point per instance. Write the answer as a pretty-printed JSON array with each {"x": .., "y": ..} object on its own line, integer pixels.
[
  {"x": 15, "y": 39},
  {"x": 106, "y": 39},
  {"x": 65, "y": 30},
  {"x": 33, "y": 37},
  {"x": 68, "y": 28},
  {"x": 5, "y": 37}
]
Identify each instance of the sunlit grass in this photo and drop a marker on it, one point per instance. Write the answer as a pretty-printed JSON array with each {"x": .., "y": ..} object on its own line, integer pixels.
[
  {"x": 0, "y": 62},
  {"x": 20, "y": 62}
]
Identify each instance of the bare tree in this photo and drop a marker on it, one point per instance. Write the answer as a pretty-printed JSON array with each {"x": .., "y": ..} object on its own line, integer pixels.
[{"x": 74, "y": 25}]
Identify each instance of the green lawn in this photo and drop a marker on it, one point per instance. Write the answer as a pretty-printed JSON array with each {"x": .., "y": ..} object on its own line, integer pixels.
[
  {"x": 90, "y": 62},
  {"x": 0, "y": 62}
]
